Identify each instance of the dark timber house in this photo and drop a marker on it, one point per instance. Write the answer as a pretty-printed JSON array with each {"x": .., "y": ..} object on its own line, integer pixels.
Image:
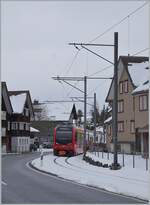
[
  {"x": 6, "y": 112},
  {"x": 20, "y": 120}
]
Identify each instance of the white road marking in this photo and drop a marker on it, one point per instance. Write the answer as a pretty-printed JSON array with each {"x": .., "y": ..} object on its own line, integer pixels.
[{"x": 4, "y": 183}]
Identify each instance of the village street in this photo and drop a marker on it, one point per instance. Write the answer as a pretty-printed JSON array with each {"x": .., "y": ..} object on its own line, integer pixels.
[
  {"x": 75, "y": 102},
  {"x": 22, "y": 184}
]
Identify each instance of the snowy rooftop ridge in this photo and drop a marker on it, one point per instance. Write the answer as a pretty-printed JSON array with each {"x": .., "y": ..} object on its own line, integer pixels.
[
  {"x": 32, "y": 129},
  {"x": 99, "y": 129},
  {"x": 139, "y": 72},
  {"x": 18, "y": 102},
  {"x": 142, "y": 87},
  {"x": 108, "y": 119}
]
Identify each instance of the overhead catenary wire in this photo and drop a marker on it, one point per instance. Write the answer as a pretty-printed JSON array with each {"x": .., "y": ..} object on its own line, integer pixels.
[
  {"x": 69, "y": 68},
  {"x": 72, "y": 62},
  {"x": 100, "y": 85},
  {"x": 128, "y": 35},
  {"x": 110, "y": 28},
  {"x": 99, "y": 71},
  {"x": 105, "y": 68},
  {"x": 106, "y": 31},
  {"x": 141, "y": 51},
  {"x": 119, "y": 22}
]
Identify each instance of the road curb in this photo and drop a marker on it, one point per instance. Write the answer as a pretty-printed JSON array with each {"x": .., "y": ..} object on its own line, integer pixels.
[
  {"x": 45, "y": 172},
  {"x": 55, "y": 175}
]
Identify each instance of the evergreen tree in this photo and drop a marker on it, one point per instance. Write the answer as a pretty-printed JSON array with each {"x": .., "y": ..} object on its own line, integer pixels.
[{"x": 97, "y": 115}]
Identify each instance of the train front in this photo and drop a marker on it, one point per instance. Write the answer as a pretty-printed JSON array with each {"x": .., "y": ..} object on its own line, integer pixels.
[{"x": 64, "y": 140}]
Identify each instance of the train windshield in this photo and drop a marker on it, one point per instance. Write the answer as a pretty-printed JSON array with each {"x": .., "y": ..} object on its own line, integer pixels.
[{"x": 64, "y": 135}]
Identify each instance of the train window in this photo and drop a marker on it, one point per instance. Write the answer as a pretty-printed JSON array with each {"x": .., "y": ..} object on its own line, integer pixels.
[{"x": 63, "y": 136}]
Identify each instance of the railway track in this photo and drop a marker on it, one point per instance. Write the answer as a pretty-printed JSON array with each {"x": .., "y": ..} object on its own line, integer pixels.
[
  {"x": 68, "y": 165},
  {"x": 63, "y": 164}
]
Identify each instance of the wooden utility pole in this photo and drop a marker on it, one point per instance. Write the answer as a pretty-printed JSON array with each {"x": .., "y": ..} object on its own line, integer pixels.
[{"x": 115, "y": 165}]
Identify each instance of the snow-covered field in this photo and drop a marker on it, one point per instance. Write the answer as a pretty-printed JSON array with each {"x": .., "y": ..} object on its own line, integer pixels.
[{"x": 128, "y": 181}]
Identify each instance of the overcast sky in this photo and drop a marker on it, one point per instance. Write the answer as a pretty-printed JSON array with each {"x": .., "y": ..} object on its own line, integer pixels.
[{"x": 35, "y": 37}]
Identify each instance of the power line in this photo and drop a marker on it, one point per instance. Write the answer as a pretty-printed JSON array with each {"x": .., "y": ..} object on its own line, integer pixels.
[
  {"x": 119, "y": 22},
  {"x": 141, "y": 51},
  {"x": 71, "y": 89},
  {"x": 107, "y": 30},
  {"x": 128, "y": 35},
  {"x": 105, "y": 68},
  {"x": 99, "y": 85},
  {"x": 73, "y": 60}
]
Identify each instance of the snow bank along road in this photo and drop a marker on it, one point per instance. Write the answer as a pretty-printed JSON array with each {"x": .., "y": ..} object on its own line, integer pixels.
[
  {"x": 23, "y": 185},
  {"x": 77, "y": 170}
]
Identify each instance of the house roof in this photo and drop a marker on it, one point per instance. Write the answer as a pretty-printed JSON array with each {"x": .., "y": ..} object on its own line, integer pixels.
[
  {"x": 134, "y": 65},
  {"x": 133, "y": 59},
  {"x": 139, "y": 72},
  {"x": 143, "y": 87},
  {"x": 99, "y": 129},
  {"x": 32, "y": 129},
  {"x": 108, "y": 120},
  {"x": 19, "y": 98},
  {"x": 73, "y": 114},
  {"x": 6, "y": 98}
]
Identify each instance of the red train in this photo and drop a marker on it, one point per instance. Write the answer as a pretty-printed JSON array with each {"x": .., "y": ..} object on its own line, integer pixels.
[{"x": 68, "y": 140}]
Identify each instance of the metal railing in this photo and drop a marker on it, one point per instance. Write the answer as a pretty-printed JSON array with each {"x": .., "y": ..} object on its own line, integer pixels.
[{"x": 134, "y": 159}]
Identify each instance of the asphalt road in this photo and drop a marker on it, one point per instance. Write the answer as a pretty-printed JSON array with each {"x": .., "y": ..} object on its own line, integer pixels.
[{"x": 21, "y": 185}]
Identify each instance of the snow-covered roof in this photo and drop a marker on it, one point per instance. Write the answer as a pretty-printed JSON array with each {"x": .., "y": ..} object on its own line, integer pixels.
[
  {"x": 110, "y": 109},
  {"x": 136, "y": 67},
  {"x": 139, "y": 72},
  {"x": 18, "y": 102},
  {"x": 108, "y": 119},
  {"x": 142, "y": 87},
  {"x": 99, "y": 129},
  {"x": 32, "y": 129}
]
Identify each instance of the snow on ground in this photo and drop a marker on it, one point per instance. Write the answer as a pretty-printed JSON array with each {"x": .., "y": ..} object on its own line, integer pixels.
[{"x": 128, "y": 181}]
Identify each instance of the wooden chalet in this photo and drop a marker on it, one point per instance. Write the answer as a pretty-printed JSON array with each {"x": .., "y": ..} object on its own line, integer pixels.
[
  {"x": 20, "y": 120},
  {"x": 6, "y": 112}
]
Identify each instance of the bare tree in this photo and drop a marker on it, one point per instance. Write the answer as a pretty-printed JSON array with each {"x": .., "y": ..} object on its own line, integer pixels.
[{"x": 40, "y": 111}]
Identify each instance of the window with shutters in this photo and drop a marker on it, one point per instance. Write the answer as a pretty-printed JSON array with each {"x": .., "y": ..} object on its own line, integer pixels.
[
  {"x": 120, "y": 106},
  {"x": 121, "y": 126},
  {"x": 121, "y": 87},
  {"x": 143, "y": 102},
  {"x": 126, "y": 86},
  {"x": 132, "y": 126}
]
